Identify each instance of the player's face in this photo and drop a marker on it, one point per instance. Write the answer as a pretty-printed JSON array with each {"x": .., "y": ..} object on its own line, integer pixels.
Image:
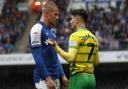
[
  {"x": 53, "y": 16},
  {"x": 73, "y": 22}
]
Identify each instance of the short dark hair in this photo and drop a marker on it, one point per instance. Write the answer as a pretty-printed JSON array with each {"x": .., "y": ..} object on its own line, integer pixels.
[{"x": 80, "y": 12}]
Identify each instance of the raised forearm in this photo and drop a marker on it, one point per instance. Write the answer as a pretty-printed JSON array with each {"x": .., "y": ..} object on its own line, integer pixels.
[{"x": 68, "y": 56}]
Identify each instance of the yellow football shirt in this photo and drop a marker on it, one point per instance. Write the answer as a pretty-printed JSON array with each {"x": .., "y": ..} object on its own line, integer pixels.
[{"x": 82, "y": 53}]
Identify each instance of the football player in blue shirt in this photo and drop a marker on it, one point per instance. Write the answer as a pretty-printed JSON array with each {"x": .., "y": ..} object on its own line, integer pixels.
[{"x": 48, "y": 69}]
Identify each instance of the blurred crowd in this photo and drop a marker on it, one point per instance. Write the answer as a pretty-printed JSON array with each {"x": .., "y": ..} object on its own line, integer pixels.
[
  {"x": 110, "y": 26},
  {"x": 12, "y": 26}
]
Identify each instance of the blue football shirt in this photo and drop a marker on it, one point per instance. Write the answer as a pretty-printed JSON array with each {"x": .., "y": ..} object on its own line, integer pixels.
[{"x": 45, "y": 57}]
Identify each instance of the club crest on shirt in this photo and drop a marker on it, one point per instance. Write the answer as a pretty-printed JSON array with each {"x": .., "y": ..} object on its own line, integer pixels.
[{"x": 46, "y": 42}]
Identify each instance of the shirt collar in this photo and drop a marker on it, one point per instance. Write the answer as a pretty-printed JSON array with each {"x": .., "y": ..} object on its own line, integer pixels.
[
  {"x": 81, "y": 29},
  {"x": 44, "y": 25}
]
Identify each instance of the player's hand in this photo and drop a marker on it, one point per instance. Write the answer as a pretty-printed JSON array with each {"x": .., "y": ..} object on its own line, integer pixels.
[
  {"x": 52, "y": 42},
  {"x": 50, "y": 83},
  {"x": 65, "y": 81}
]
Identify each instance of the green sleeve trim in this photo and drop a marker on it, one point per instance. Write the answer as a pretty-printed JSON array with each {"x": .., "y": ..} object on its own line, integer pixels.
[
  {"x": 87, "y": 45},
  {"x": 73, "y": 47},
  {"x": 88, "y": 36},
  {"x": 84, "y": 62},
  {"x": 87, "y": 53}
]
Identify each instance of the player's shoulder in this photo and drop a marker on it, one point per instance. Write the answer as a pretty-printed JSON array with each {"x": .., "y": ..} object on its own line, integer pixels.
[
  {"x": 80, "y": 31},
  {"x": 91, "y": 35},
  {"x": 74, "y": 34},
  {"x": 35, "y": 35},
  {"x": 36, "y": 29},
  {"x": 77, "y": 34},
  {"x": 88, "y": 32}
]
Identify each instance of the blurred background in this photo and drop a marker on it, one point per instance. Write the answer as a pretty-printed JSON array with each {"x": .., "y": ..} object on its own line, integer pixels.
[{"x": 108, "y": 20}]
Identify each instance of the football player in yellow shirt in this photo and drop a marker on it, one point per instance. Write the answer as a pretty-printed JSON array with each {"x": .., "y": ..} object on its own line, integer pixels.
[{"x": 82, "y": 54}]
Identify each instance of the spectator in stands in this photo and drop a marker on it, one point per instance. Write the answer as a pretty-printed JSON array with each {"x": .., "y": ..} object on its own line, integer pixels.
[
  {"x": 62, "y": 37},
  {"x": 48, "y": 68},
  {"x": 107, "y": 24},
  {"x": 2, "y": 51},
  {"x": 12, "y": 25},
  {"x": 8, "y": 46},
  {"x": 82, "y": 53}
]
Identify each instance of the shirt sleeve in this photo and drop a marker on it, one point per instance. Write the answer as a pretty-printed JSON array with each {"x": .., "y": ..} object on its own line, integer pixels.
[
  {"x": 72, "y": 51},
  {"x": 97, "y": 55},
  {"x": 36, "y": 48}
]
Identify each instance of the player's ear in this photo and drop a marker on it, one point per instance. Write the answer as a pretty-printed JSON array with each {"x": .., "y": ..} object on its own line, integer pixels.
[
  {"x": 77, "y": 20},
  {"x": 46, "y": 13}
]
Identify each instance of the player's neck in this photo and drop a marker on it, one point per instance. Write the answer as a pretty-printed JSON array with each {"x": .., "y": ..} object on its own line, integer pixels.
[
  {"x": 80, "y": 25},
  {"x": 44, "y": 21}
]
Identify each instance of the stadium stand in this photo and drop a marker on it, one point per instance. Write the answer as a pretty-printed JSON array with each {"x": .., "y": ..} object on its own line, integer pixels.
[
  {"x": 110, "y": 26},
  {"x": 12, "y": 26}
]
